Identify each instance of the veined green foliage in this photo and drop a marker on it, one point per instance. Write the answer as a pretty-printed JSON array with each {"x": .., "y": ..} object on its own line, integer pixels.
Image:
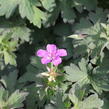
[
  {"x": 9, "y": 40},
  {"x": 27, "y": 8},
  {"x": 79, "y": 27},
  {"x": 85, "y": 74},
  {"x": 77, "y": 96},
  {"x": 13, "y": 101},
  {"x": 7, "y": 48}
]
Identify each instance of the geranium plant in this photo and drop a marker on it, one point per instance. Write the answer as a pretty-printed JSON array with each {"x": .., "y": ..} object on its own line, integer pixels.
[
  {"x": 53, "y": 56},
  {"x": 69, "y": 70}
]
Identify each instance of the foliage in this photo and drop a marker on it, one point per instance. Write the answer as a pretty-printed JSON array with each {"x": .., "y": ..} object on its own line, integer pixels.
[
  {"x": 13, "y": 101},
  {"x": 81, "y": 81}
]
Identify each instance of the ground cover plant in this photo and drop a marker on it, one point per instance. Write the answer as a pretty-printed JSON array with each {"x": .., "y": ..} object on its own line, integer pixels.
[{"x": 54, "y": 54}]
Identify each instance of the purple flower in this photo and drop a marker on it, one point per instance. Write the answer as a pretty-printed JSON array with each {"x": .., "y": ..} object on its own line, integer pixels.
[{"x": 51, "y": 55}]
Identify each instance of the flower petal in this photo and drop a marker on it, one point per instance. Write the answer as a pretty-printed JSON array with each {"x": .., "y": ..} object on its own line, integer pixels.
[
  {"x": 45, "y": 60},
  {"x": 41, "y": 53},
  {"x": 51, "y": 48},
  {"x": 57, "y": 61},
  {"x": 61, "y": 52}
]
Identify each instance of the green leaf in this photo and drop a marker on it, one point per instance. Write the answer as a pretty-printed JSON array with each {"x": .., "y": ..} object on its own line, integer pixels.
[
  {"x": 92, "y": 102},
  {"x": 75, "y": 36},
  {"x": 62, "y": 29},
  {"x": 77, "y": 96},
  {"x": 13, "y": 101},
  {"x": 27, "y": 77},
  {"x": 16, "y": 99},
  {"x": 83, "y": 65},
  {"x": 21, "y": 32},
  {"x": 32, "y": 96},
  {"x": 89, "y": 4},
  {"x": 67, "y": 12},
  {"x": 49, "y": 106},
  {"x": 75, "y": 73},
  {"x": 12, "y": 35},
  {"x": 28, "y": 9},
  {"x": 83, "y": 26},
  {"x": 16, "y": 30},
  {"x": 10, "y": 80},
  {"x": 59, "y": 101},
  {"x": 106, "y": 104},
  {"x": 9, "y": 58},
  {"x": 33, "y": 74},
  {"x": 98, "y": 16},
  {"x": 3, "y": 97},
  {"x": 7, "y": 7},
  {"x": 76, "y": 93},
  {"x": 49, "y": 4},
  {"x": 100, "y": 81},
  {"x": 52, "y": 17}
]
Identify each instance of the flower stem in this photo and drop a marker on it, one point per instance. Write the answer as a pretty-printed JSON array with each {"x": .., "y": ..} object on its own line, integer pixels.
[{"x": 51, "y": 65}]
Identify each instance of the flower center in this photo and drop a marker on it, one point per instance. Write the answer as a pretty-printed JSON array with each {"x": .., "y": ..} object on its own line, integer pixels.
[{"x": 52, "y": 56}]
